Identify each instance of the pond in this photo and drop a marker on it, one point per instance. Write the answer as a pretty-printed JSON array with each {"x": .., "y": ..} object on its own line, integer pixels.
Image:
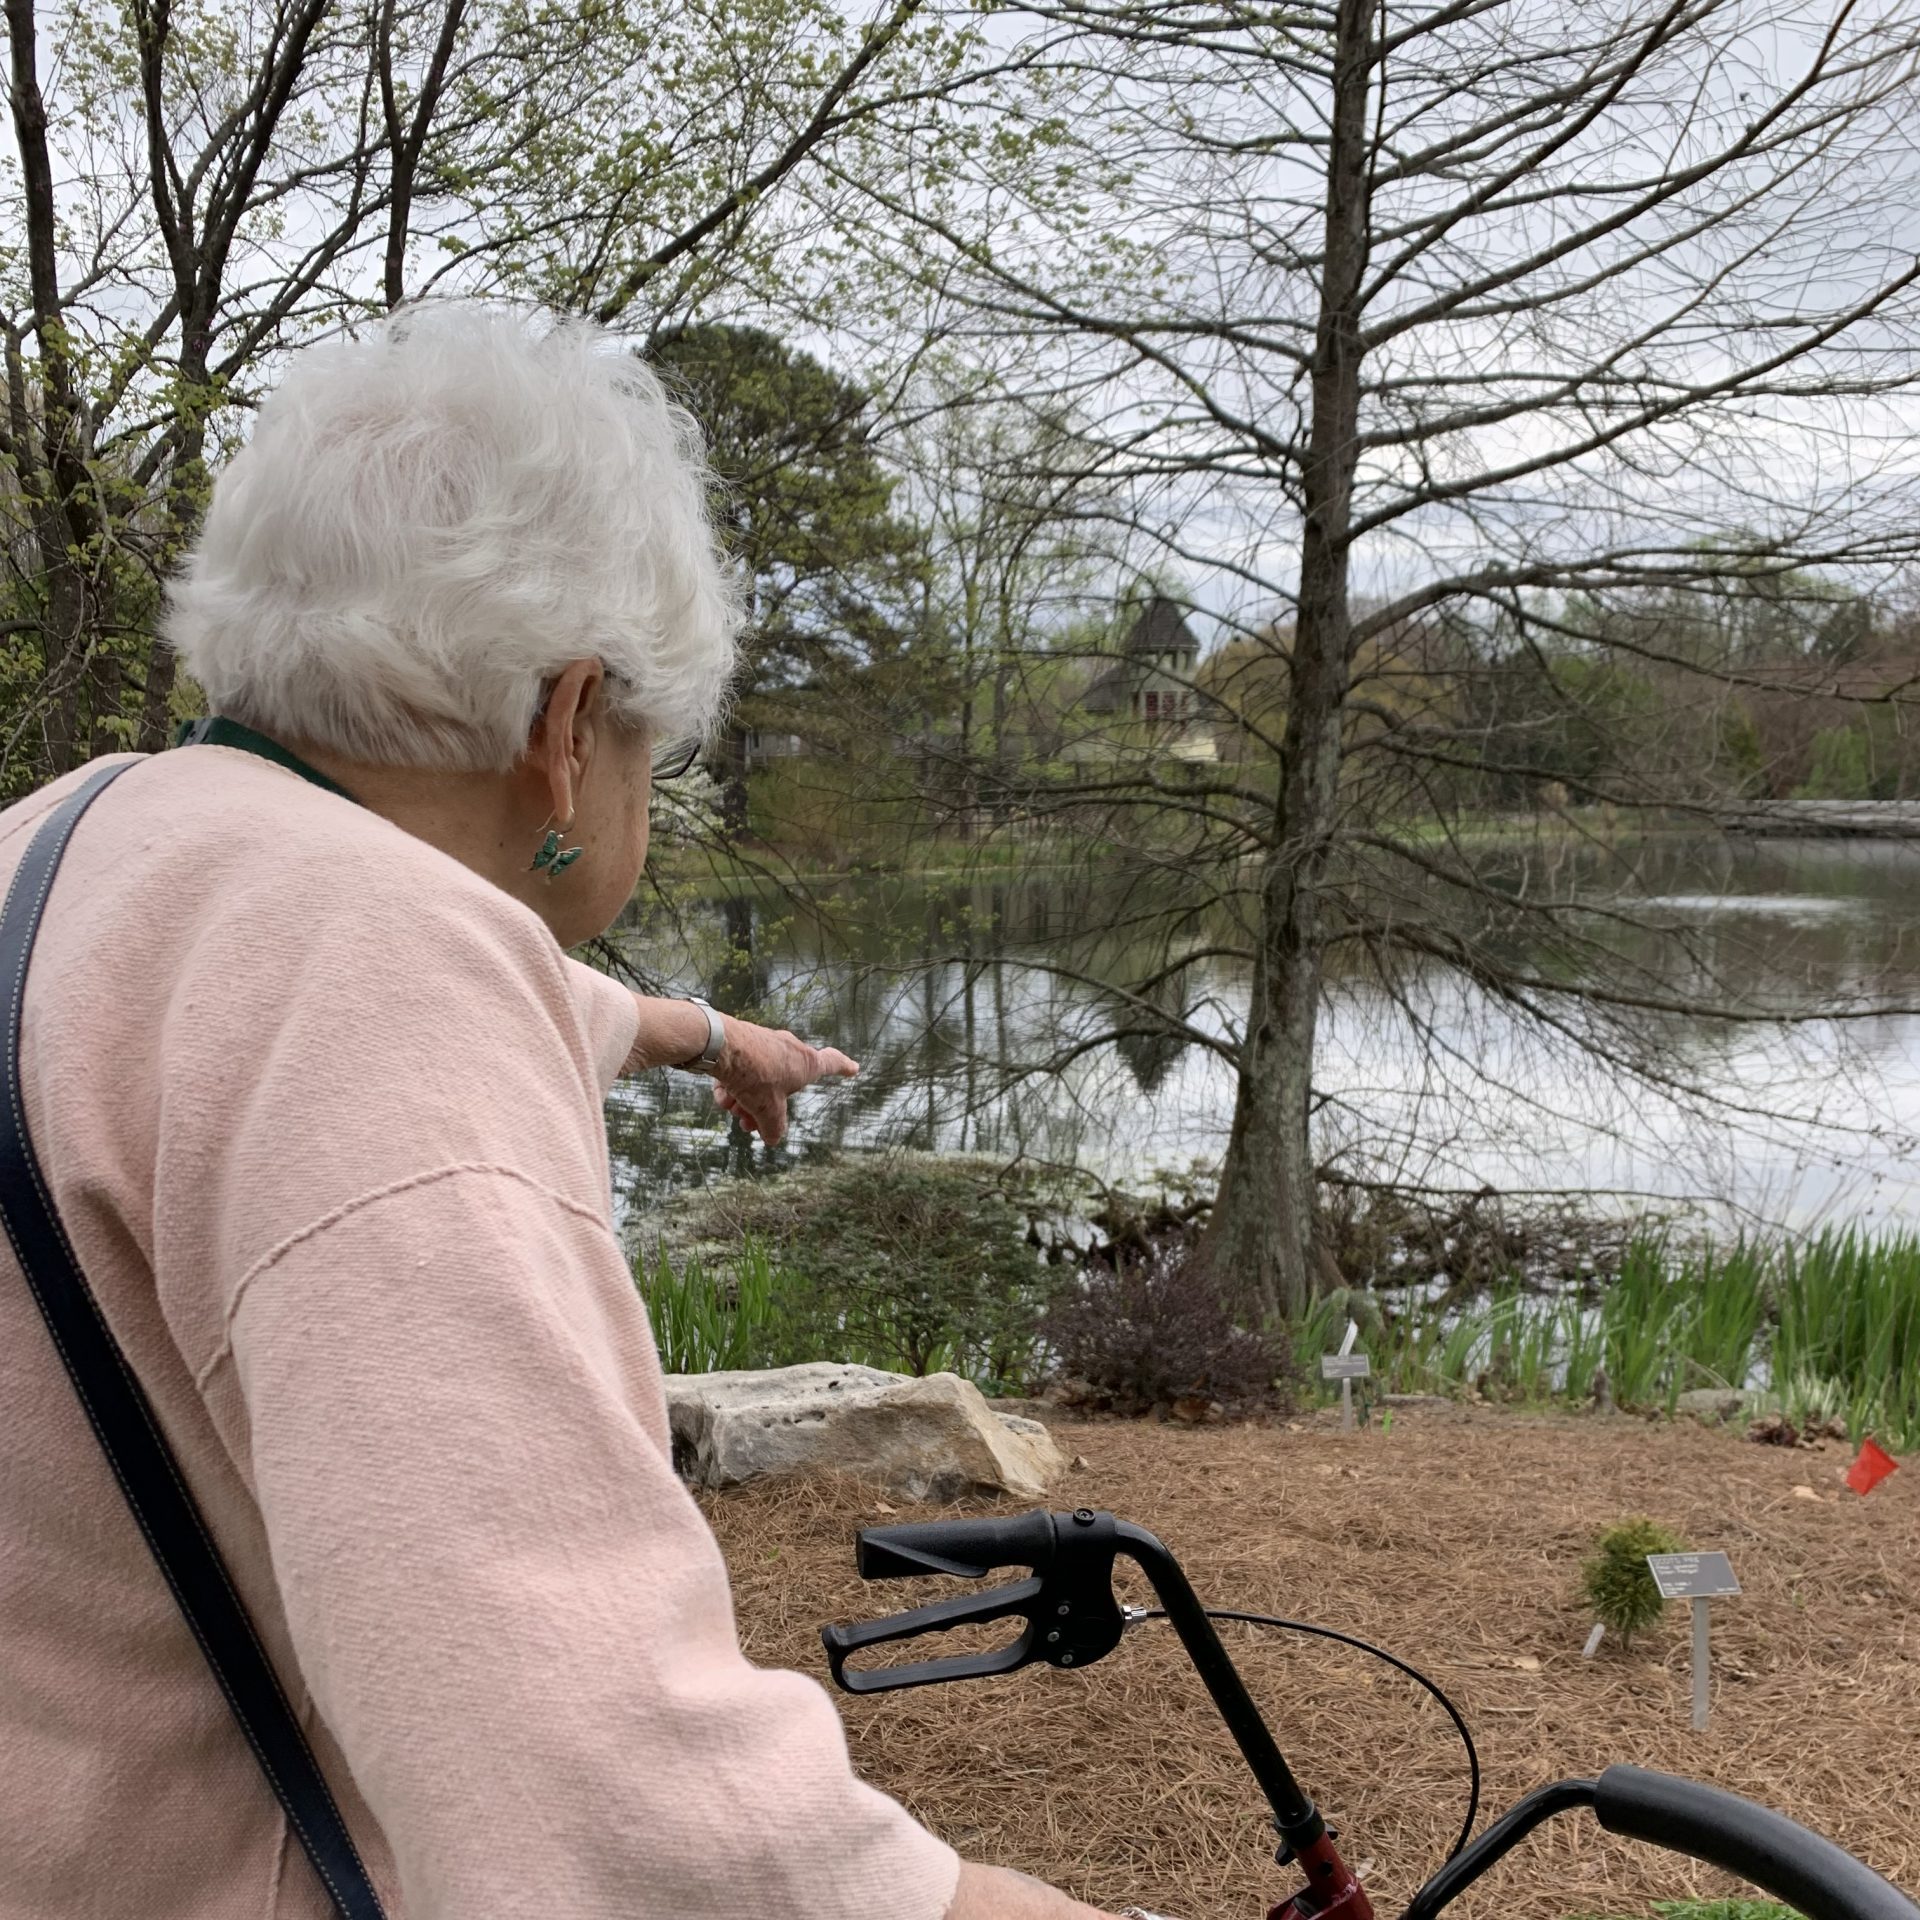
[{"x": 984, "y": 1016}]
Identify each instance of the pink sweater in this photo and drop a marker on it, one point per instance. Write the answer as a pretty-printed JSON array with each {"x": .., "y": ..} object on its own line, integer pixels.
[{"x": 322, "y": 1111}]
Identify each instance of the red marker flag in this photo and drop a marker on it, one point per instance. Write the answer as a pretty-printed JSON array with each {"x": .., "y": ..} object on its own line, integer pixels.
[{"x": 1870, "y": 1467}]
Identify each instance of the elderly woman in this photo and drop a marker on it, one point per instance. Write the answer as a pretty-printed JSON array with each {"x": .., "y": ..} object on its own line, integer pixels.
[{"x": 317, "y": 1090}]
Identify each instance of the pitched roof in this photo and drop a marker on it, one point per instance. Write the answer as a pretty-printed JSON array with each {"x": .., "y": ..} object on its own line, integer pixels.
[{"x": 1159, "y": 628}]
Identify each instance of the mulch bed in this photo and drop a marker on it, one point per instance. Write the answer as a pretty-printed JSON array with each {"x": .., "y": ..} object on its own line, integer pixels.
[{"x": 1454, "y": 1542}]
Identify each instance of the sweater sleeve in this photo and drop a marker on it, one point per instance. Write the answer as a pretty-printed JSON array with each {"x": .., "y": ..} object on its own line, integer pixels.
[
  {"x": 610, "y": 1015},
  {"x": 510, "y": 1613}
]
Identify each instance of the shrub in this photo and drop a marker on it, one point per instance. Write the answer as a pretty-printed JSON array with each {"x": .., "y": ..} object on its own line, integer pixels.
[
  {"x": 1150, "y": 1331},
  {"x": 918, "y": 1265},
  {"x": 903, "y": 1261},
  {"x": 1614, "y": 1580}
]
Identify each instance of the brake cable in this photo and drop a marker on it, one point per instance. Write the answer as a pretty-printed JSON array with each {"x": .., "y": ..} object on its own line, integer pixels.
[{"x": 1413, "y": 1673}]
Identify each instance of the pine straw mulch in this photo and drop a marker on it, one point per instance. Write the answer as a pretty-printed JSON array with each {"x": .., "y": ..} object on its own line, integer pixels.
[{"x": 1452, "y": 1541}]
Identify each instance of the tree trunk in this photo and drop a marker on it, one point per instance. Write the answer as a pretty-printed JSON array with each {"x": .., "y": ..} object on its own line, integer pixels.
[
  {"x": 187, "y": 493},
  {"x": 1260, "y": 1237},
  {"x": 157, "y": 706},
  {"x": 1001, "y": 787},
  {"x": 63, "y": 649},
  {"x": 106, "y": 680},
  {"x": 740, "y": 983},
  {"x": 405, "y": 145},
  {"x": 730, "y": 769},
  {"x": 969, "y": 774},
  {"x": 57, "y": 443}
]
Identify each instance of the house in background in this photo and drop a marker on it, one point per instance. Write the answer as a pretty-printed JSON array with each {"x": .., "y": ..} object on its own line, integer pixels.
[
  {"x": 762, "y": 746},
  {"x": 1151, "y": 684}
]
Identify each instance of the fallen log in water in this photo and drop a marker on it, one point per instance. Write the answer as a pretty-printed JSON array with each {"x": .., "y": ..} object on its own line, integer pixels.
[{"x": 1829, "y": 819}]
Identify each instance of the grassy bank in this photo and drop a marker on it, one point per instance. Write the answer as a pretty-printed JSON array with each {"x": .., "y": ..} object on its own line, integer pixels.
[
  {"x": 911, "y": 1265},
  {"x": 1829, "y": 1326},
  {"x": 822, "y": 817},
  {"x": 996, "y": 852}
]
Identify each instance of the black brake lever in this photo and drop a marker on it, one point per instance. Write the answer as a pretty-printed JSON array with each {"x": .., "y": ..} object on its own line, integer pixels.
[
  {"x": 1072, "y": 1617},
  {"x": 1018, "y": 1598}
]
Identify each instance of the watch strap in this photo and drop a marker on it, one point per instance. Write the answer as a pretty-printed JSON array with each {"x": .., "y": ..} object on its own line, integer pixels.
[{"x": 709, "y": 1058}]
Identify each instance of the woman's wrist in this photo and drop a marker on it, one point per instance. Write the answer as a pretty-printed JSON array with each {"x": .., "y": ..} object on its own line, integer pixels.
[{"x": 671, "y": 1033}]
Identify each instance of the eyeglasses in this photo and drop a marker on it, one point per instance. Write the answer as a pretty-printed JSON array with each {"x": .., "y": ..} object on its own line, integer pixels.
[{"x": 676, "y": 757}]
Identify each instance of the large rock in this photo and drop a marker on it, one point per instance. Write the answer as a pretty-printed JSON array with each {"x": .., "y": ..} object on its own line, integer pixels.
[
  {"x": 931, "y": 1439},
  {"x": 1713, "y": 1403}
]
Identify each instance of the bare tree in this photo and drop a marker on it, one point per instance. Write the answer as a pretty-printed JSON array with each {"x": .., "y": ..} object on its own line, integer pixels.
[
  {"x": 194, "y": 188},
  {"x": 1487, "y": 312},
  {"x": 1014, "y": 583}
]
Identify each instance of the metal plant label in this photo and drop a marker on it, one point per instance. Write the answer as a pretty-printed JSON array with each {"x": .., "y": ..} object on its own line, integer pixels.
[
  {"x": 1697, "y": 1577},
  {"x": 1692, "y": 1576}
]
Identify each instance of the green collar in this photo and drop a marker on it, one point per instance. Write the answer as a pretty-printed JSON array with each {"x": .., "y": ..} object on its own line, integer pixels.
[{"x": 218, "y": 731}]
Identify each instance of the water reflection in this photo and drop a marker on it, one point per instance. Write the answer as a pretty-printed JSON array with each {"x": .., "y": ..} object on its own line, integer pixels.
[{"x": 1067, "y": 1020}]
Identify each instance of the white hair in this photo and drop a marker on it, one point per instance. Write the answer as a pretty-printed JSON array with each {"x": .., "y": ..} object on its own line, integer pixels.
[{"x": 430, "y": 522}]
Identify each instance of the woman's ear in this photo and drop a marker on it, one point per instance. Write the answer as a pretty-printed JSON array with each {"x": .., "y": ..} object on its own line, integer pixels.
[{"x": 567, "y": 734}]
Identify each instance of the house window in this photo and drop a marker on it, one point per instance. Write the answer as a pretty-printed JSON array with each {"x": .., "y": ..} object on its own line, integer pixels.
[{"x": 1153, "y": 706}]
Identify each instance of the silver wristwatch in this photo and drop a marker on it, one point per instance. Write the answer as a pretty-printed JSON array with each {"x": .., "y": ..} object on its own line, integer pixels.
[{"x": 716, "y": 1039}]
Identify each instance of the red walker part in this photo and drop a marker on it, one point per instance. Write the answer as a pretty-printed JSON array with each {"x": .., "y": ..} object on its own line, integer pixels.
[{"x": 1331, "y": 1892}]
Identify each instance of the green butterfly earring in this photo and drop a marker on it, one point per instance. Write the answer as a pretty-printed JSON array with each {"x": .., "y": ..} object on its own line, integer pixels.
[{"x": 550, "y": 860}]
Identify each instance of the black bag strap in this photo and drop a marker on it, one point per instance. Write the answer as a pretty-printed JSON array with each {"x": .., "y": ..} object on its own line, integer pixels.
[{"x": 124, "y": 1422}]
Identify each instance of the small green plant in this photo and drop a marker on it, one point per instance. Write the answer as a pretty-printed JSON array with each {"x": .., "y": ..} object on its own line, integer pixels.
[
  {"x": 1614, "y": 1580},
  {"x": 707, "y": 1319}
]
